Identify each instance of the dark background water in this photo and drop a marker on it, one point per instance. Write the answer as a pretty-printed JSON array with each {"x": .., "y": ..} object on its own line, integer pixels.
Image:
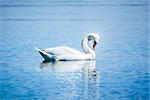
[{"x": 121, "y": 56}]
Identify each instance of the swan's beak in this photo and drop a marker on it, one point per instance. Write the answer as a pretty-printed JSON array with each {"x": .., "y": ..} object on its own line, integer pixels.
[{"x": 94, "y": 45}]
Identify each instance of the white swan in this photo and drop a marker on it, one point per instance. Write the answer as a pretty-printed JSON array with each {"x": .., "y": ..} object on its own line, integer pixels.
[{"x": 64, "y": 53}]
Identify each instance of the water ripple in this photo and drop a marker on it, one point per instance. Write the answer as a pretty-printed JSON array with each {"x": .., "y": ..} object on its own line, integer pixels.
[
  {"x": 42, "y": 19},
  {"x": 75, "y": 4}
]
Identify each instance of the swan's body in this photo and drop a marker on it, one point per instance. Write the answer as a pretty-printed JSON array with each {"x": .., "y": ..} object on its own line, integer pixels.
[{"x": 64, "y": 53}]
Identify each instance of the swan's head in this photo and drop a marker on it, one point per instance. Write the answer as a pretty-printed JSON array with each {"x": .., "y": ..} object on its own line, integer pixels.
[{"x": 94, "y": 37}]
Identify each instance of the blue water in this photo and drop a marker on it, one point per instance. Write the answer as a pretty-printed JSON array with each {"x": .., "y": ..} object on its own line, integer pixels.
[{"x": 120, "y": 71}]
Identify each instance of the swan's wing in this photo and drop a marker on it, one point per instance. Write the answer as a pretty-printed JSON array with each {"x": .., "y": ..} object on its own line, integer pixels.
[
  {"x": 64, "y": 52},
  {"x": 45, "y": 55}
]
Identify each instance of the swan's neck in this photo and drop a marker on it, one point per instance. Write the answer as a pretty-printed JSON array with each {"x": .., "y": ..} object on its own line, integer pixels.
[{"x": 87, "y": 48}]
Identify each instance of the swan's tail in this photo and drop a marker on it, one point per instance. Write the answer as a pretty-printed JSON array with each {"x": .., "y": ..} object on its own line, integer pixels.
[{"x": 46, "y": 56}]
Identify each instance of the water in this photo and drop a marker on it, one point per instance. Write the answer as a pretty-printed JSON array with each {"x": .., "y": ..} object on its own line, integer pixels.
[{"x": 120, "y": 71}]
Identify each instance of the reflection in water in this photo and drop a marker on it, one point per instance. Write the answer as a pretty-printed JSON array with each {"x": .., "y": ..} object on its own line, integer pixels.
[
  {"x": 90, "y": 75},
  {"x": 87, "y": 69}
]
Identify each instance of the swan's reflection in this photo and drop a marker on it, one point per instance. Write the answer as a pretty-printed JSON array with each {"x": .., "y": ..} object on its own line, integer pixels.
[
  {"x": 65, "y": 66},
  {"x": 90, "y": 81},
  {"x": 90, "y": 76}
]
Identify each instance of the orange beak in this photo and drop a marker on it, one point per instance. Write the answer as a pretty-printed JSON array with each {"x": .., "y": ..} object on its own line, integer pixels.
[{"x": 94, "y": 45}]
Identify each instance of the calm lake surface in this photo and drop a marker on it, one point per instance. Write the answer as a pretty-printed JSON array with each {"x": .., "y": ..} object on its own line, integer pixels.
[{"x": 120, "y": 71}]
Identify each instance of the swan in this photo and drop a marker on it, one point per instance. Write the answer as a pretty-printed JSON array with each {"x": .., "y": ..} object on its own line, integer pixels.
[{"x": 64, "y": 53}]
